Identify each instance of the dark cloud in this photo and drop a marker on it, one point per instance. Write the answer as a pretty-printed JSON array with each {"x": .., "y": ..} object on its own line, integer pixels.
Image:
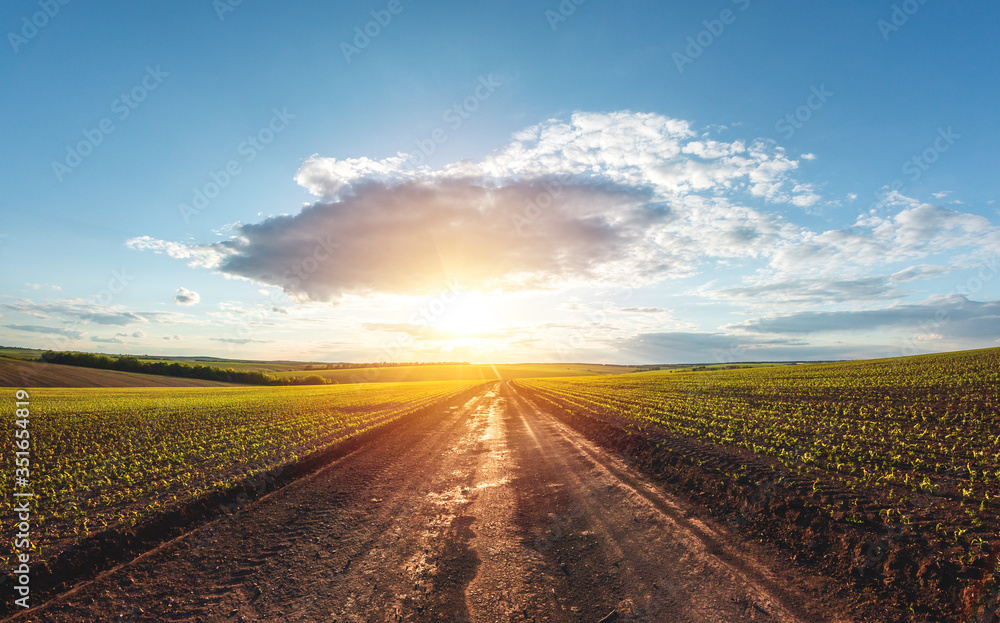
[
  {"x": 952, "y": 316},
  {"x": 691, "y": 347},
  {"x": 417, "y": 238},
  {"x": 712, "y": 348}
]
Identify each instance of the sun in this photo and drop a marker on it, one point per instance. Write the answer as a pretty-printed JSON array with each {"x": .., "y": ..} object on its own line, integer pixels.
[{"x": 468, "y": 315}]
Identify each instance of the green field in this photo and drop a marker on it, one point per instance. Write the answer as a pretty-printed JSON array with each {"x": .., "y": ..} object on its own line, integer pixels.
[
  {"x": 477, "y": 372},
  {"x": 23, "y": 354},
  {"x": 106, "y": 457}
]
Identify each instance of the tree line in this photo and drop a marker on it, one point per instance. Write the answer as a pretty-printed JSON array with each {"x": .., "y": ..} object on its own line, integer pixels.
[{"x": 127, "y": 363}]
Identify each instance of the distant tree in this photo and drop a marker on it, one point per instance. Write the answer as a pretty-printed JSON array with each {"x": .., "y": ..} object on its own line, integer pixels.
[{"x": 128, "y": 363}]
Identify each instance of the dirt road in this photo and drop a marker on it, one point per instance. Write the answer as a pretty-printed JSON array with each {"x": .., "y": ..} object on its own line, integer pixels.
[{"x": 491, "y": 511}]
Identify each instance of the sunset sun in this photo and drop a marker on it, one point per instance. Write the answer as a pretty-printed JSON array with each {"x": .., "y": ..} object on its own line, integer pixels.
[{"x": 468, "y": 315}]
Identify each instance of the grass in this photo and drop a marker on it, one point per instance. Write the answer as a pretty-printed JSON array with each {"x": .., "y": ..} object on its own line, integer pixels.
[{"x": 22, "y": 354}]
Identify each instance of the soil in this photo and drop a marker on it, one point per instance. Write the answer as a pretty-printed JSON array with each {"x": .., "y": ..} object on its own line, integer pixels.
[{"x": 27, "y": 374}]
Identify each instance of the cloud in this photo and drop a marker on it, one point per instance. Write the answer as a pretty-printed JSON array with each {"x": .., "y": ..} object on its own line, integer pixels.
[
  {"x": 619, "y": 198},
  {"x": 186, "y": 297},
  {"x": 694, "y": 347},
  {"x": 108, "y": 340},
  {"x": 952, "y": 316},
  {"x": 826, "y": 290},
  {"x": 174, "y": 338},
  {"x": 811, "y": 291},
  {"x": 138, "y": 334},
  {"x": 199, "y": 255},
  {"x": 78, "y": 309},
  {"x": 47, "y": 330},
  {"x": 924, "y": 271},
  {"x": 716, "y": 348},
  {"x": 233, "y": 340},
  {"x": 917, "y": 231},
  {"x": 645, "y": 310}
]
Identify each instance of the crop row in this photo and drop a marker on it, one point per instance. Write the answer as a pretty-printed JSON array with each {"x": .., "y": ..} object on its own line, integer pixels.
[{"x": 920, "y": 427}]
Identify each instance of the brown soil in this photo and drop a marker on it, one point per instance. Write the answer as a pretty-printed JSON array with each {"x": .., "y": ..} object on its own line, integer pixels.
[{"x": 15, "y": 373}]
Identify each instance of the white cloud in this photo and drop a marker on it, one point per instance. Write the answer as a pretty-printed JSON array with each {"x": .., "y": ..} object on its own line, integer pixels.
[
  {"x": 205, "y": 256},
  {"x": 82, "y": 311},
  {"x": 917, "y": 231},
  {"x": 186, "y": 297},
  {"x": 70, "y": 333}
]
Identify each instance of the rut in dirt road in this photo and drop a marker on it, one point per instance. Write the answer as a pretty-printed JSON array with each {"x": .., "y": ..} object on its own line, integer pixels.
[{"x": 491, "y": 511}]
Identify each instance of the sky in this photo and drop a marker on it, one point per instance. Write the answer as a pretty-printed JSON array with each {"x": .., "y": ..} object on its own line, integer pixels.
[{"x": 397, "y": 180}]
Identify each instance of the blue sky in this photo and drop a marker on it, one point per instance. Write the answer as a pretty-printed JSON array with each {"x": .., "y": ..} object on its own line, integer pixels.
[{"x": 721, "y": 181}]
